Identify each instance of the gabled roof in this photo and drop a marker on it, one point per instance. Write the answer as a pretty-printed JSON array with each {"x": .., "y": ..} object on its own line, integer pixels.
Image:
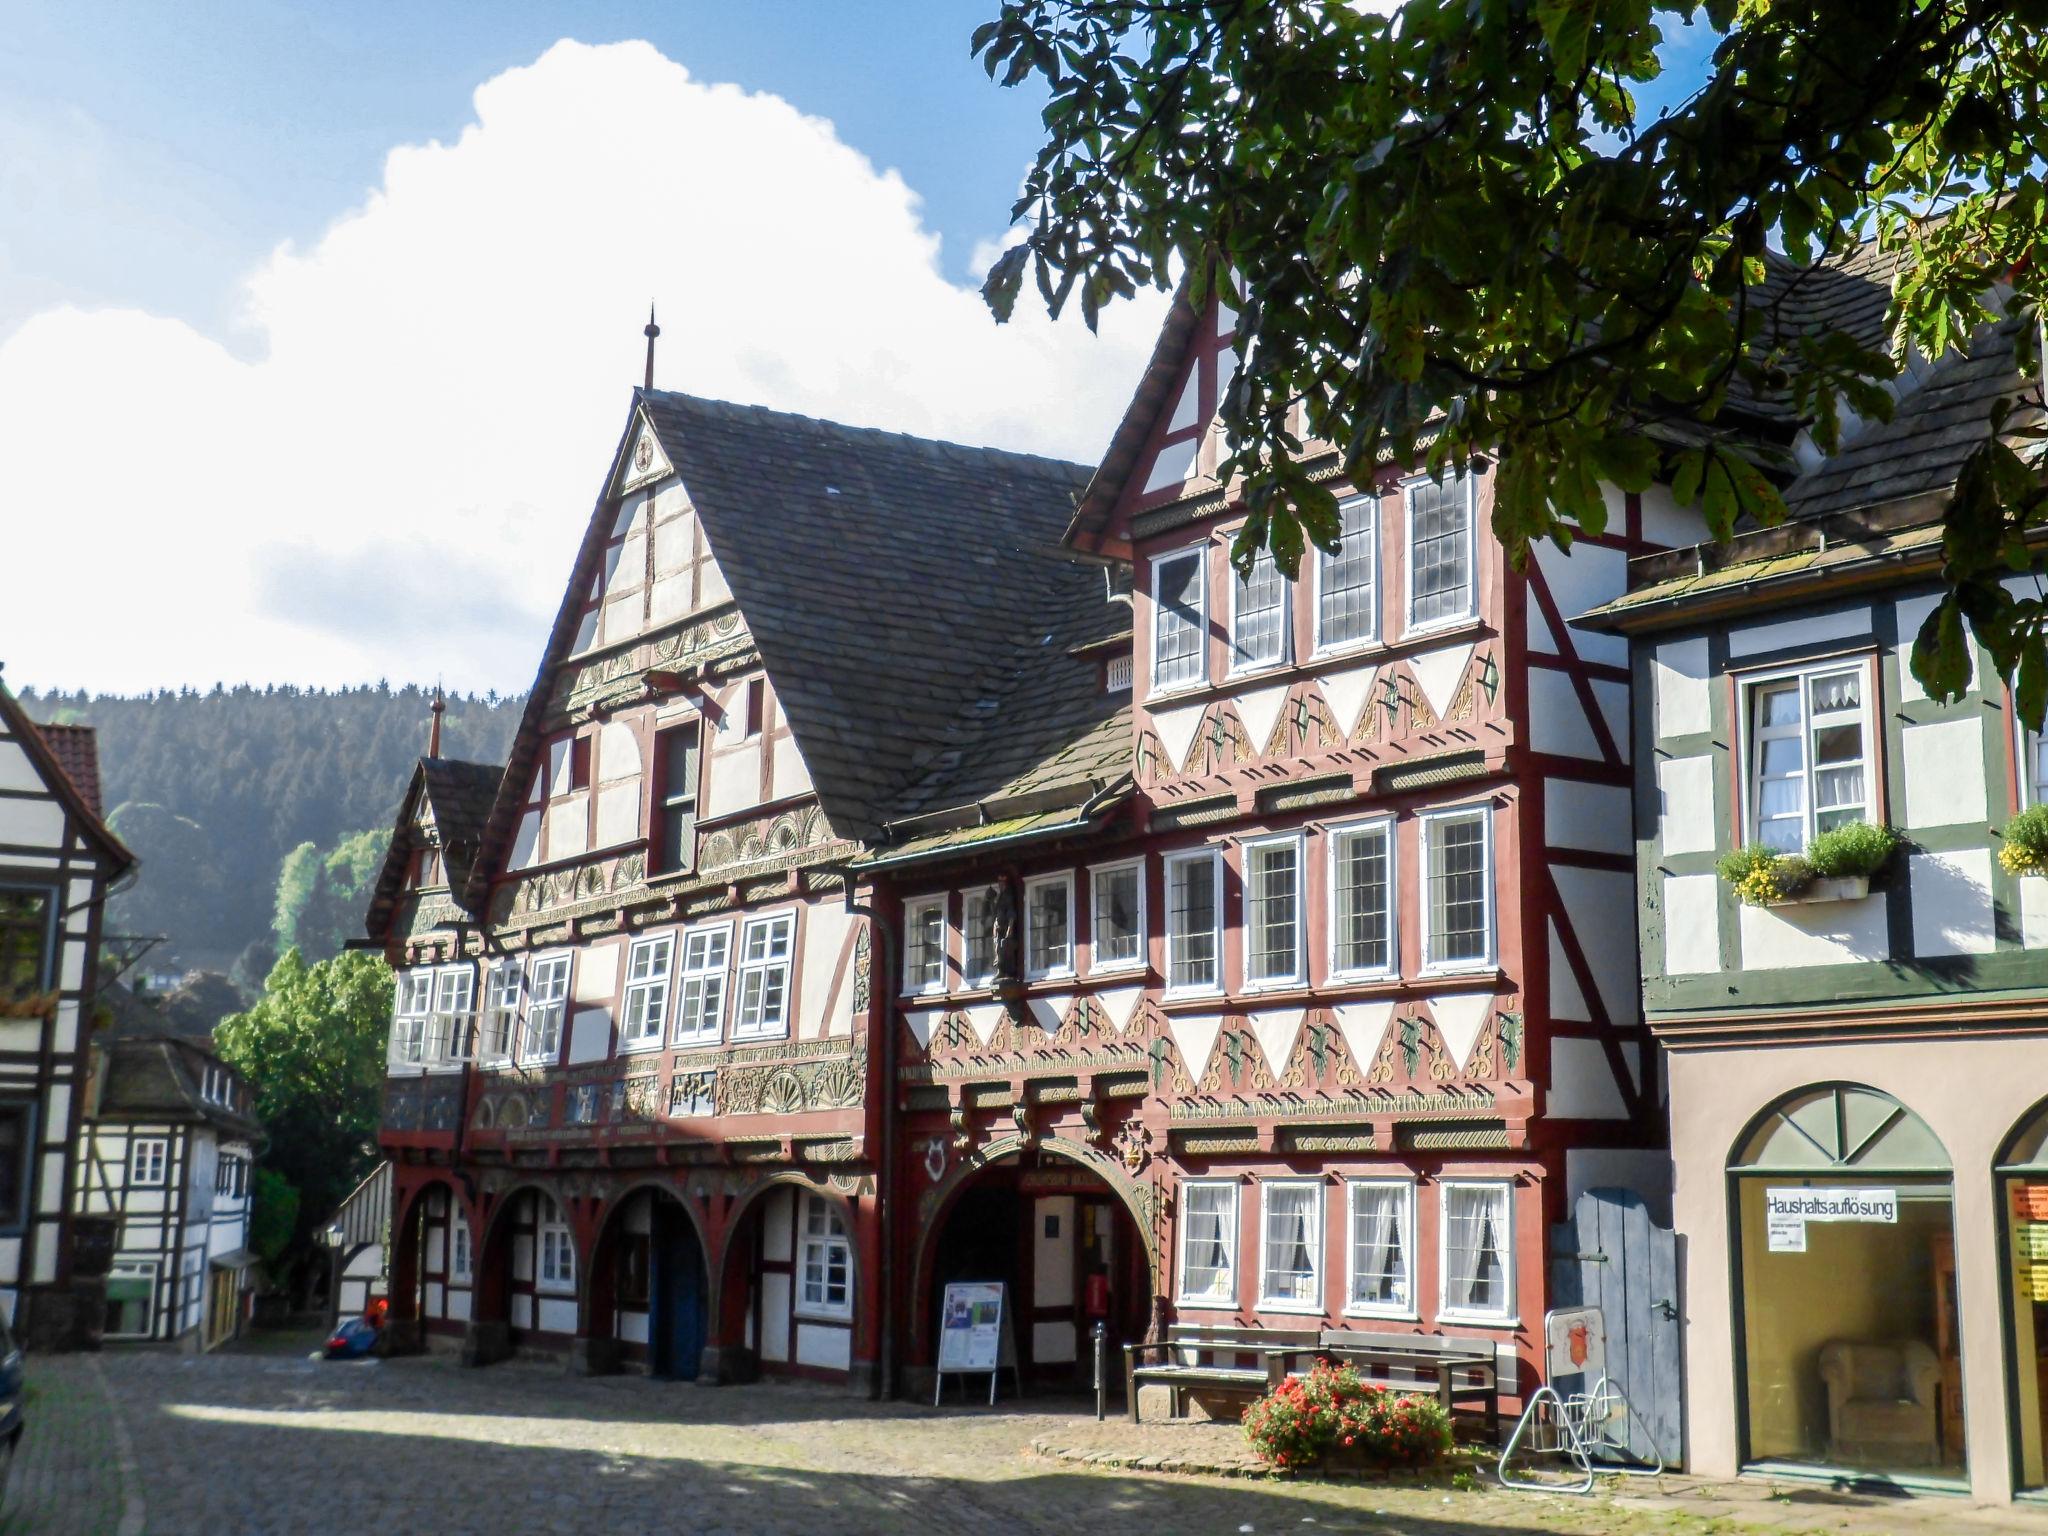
[
  {"x": 52, "y": 768},
  {"x": 155, "y": 1077},
  {"x": 887, "y": 581},
  {"x": 458, "y": 795},
  {"x": 76, "y": 748}
]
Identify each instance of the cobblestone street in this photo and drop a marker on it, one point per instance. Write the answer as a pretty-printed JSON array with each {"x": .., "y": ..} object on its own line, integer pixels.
[{"x": 255, "y": 1443}]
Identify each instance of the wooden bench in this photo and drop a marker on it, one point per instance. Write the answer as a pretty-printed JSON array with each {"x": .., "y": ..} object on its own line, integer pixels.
[
  {"x": 1454, "y": 1371},
  {"x": 1218, "y": 1357}
]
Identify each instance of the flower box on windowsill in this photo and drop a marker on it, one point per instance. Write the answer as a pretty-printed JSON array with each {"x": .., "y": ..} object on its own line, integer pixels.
[{"x": 1841, "y": 888}]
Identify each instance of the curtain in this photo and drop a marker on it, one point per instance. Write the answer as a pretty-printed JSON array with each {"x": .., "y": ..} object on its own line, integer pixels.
[
  {"x": 1469, "y": 1213},
  {"x": 1382, "y": 1274}
]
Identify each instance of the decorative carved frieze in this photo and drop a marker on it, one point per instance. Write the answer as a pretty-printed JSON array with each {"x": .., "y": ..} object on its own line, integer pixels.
[{"x": 790, "y": 1088}]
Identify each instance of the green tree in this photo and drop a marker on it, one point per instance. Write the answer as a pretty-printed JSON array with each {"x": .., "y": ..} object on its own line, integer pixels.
[
  {"x": 312, "y": 1049},
  {"x": 321, "y": 897},
  {"x": 1450, "y": 233},
  {"x": 274, "y": 1222}
]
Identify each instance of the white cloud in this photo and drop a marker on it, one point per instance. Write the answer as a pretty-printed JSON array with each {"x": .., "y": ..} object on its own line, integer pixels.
[{"x": 396, "y": 484}]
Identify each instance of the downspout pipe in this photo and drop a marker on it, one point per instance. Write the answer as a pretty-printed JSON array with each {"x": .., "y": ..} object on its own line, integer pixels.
[{"x": 882, "y": 994}]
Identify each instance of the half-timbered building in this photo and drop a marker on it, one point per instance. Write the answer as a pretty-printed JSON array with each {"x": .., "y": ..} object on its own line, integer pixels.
[
  {"x": 631, "y": 1110},
  {"x": 1857, "y": 1061},
  {"x": 167, "y": 1155},
  {"x": 58, "y": 862}
]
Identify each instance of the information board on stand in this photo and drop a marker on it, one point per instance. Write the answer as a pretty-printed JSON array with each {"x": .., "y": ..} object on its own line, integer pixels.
[{"x": 975, "y": 1335}]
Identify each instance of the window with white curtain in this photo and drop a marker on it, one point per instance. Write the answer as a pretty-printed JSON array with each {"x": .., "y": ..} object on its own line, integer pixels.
[
  {"x": 1440, "y": 552},
  {"x": 1049, "y": 926},
  {"x": 1291, "y": 1255},
  {"x": 1347, "y": 583},
  {"x": 924, "y": 944},
  {"x": 1809, "y": 755},
  {"x": 557, "y": 1248},
  {"x": 1259, "y": 611},
  {"x": 1382, "y": 1247},
  {"x": 1272, "y": 912},
  {"x": 1478, "y": 1250},
  {"x": 700, "y": 1007},
  {"x": 1208, "y": 1243},
  {"x": 646, "y": 1004},
  {"x": 1192, "y": 908},
  {"x": 1180, "y": 620}
]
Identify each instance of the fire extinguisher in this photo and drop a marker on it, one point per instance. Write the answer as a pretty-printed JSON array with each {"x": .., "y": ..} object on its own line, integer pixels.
[{"x": 1095, "y": 1295}]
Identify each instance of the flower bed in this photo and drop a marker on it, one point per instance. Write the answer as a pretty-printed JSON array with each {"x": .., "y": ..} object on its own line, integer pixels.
[{"x": 1334, "y": 1415}]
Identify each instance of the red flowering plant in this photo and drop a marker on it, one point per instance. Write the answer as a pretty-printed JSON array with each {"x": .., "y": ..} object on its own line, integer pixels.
[{"x": 1333, "y": 1411}]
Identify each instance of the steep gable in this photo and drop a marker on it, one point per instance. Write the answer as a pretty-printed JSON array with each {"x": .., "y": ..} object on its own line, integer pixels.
[{"x": 29, "y": 760}]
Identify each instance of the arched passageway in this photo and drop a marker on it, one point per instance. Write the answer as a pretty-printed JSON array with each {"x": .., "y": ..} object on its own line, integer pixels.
[
  {"x": 649, "y": 1288},
  {"x": 790, "y": 1283}
]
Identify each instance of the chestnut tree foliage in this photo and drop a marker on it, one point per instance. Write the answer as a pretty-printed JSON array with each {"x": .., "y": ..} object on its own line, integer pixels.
[{"x": 1450, "y": 233}]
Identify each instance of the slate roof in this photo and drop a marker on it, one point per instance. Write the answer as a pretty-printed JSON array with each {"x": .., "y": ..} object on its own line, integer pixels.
[
  {"x": 76, "y": 749},
  {"x": 460, "y": 796},
  {"x": 908, "y": 597},
  {"x": 157, "y": 1077}
]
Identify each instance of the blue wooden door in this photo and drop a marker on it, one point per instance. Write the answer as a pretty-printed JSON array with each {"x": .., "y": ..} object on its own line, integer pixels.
[
  {"x": 1611, "y": 1255},
  {"x": 676, "y": 1280}
]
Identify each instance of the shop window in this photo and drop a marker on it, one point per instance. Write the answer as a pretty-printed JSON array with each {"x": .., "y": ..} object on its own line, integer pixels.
[
  {"x": 2023, "y": 1195},
  {"x": 1845, "y": 1271}
]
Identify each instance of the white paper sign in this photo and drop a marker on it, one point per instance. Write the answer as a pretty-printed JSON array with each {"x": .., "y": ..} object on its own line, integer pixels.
[
  {"x": 1787, "y": 1234},
  {"x": 971, "y": 1326},
  {"x": 1787, "y": 1211}
]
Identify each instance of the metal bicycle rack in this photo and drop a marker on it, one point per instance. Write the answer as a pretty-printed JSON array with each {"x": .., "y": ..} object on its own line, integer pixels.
[{"x": 1593, "y": 1431}]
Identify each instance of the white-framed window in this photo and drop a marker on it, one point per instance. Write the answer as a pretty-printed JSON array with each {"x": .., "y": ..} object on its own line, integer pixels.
[
  {"x": 461, "y": 1260},
  {"x": 1180, "y": 619},
  {"x": 1382, "y": 1247},
  {"x": 453, "y": 1034},
  {"x": 410, "y": 1020},
  {"x": 1116, "y": 916},
  {"x": 131, "y": 1299},
  {"x": 1362, "y": 899},
  {"x": 501, "y": 1011},
  {"x": 825, "y": 1280},
  {"x": 1478, "y": 1259},
  {"x": 1272, "y": 912},
  {"x": 700, "y": 1007},
  {"x": 2033, "y": 767},
  {"x": 924, "y": 944},
  {"x": 1457, "y": 879},
  {"x": 146, "y": 1158},
  {"x": 1049, "y": 926},
  {"x": 556, "y": 1245},
  {"x": 1348, "y": 582},
  {"x": 1259, "y": 615},
  {"x": 547, "y": 1005},
  {"x": 1442, "y": 560},
  {"x": 1194, "y": 882},
  {"x": 1809, "y": 752},
  {"x": 1291, "y": 1250},
  {"x": 765, "y": 945},
  {"x": 978, "y": 936},
  {"x": 1208, "y": 1243},
  {"x": 644, "y": 1014}
]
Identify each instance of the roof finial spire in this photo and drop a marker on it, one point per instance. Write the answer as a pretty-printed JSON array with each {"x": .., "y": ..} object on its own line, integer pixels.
[
  {"x": 439, "y": 708},
  {"x": 650, "y": 333}
]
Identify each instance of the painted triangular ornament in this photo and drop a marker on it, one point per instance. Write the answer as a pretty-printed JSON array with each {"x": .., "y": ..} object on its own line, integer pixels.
[
  {"x": 1259, "y": 711},
  {"x": 1346, "y": 694},
  {"x": 1195, "y": 1034},
  {"x": 1276, "y": 1030},
  {"x": 1459, "y": 1017},
  {"x": 1176, "y": 731},
  {"x": 1121, "y": 1005},
  {"x": 1364, "y": 1026},
  {"x": 985, "y": 1019},
  {"x": 1437, "y": 674},
  {"x": 922, "y": 1022},
  {"x": 1048, "y": 1012}
]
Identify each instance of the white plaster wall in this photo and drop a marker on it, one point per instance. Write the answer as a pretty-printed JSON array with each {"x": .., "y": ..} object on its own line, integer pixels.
[
  {"x": 1601, "y": 905},
  {"x": 16, "y": 772},
  {"x": 1678, "y": 676},
  {"x": 522, "y": 1311},
  {"x": 32, "y": 823},
  {"x": 735, "y": 780},
  {"x": 1582, "y": 580},
  {"x": 1952, "y": 912},
  {"x": 1814, "y": 933},
  {"x": 557, "y": 1314},
  {"x": 1664, "y": 520},
  {"x": 596, "y": 973},
  {"x": 1052, "y": 1260},
  {"x": 1595, "y": 817},
  {"x": 568, "y": 827},
  {"x": 792, "y": 774},
  {"x": 1685, "y": 804},
  {"x": 618, "y": 813},
  {"x": 460, "y": 1303},
  {"x": 1566, "y": 1000},
  {"x": 1647, "y": 1173},
  {"x": 1692, "y": 924},
  {"x": 2034, "y": 911},
  {"x": 1052, "y": 1343},
  {"x": 633, "y": 1327},
  {"x": 1557, "y": 723},
  {"x": 590, "y": 1034},
  {"x": 778, "y": 1222},
  {"x": 1910, "y": 613},
  {"x": 1582, "y": 1085},
  {"x": 1842, "y": 624},
  {"x": 823, "y": 1346},
  {"x": 1986, "y": 1085},
  {"x": 775, "y": 1317},
  {"x": 819, "y": 1011},
  {"x": 1944, "y": 771}
]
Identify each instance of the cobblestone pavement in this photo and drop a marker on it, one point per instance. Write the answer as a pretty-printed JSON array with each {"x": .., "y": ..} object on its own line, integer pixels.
[{"x": 254, "y": 1443}]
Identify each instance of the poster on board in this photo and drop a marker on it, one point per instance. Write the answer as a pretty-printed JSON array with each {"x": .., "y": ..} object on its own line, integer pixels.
[{"x": 975, "y": 1335}]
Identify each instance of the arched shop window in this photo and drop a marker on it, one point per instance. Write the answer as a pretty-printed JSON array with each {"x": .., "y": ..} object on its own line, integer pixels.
[
  {"x": 2023, "y": 1202},
  {"x": 1848, "y": 1352}
]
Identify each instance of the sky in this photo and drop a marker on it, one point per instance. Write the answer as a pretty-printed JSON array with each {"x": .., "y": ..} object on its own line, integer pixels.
[{"x": 318, "y": 324}]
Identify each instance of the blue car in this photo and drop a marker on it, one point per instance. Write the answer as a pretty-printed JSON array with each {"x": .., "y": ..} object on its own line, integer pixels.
[{"x": 13, "y": 1375}]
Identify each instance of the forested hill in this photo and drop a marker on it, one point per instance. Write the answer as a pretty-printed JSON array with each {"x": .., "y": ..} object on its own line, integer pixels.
[{"x": 213, "y": 790}]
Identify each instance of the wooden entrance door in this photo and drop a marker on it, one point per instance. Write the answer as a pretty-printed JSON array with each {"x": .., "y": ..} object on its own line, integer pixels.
[
  {"x": 675, "y": 1294},
  {"x": 223, "y": 1298}
]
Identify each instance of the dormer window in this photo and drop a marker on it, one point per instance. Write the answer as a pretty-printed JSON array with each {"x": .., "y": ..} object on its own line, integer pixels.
[{"x": 1179, "y": 620}]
